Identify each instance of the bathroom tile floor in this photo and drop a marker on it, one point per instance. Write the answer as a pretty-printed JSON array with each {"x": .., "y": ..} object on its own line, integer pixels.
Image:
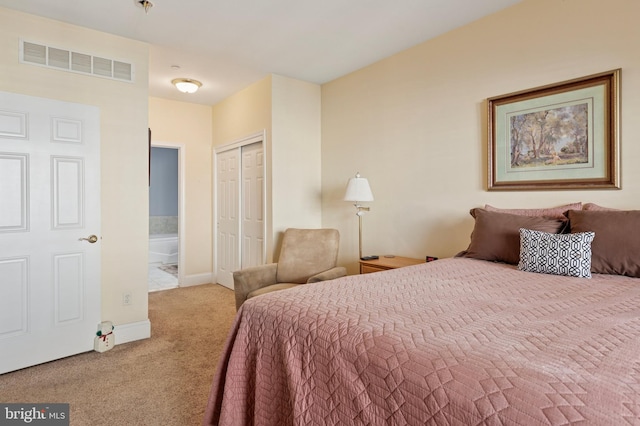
[{"x": 159, "y": 279}]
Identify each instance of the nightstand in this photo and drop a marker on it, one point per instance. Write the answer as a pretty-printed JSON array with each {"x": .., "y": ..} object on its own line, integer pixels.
[{"x": 385, "y": 263}]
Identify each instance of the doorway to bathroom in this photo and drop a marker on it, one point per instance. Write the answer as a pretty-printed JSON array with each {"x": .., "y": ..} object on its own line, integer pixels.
[{"x": 164, "y": 217}]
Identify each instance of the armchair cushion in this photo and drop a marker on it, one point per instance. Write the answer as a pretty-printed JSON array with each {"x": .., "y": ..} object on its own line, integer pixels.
[{"x": 333, "y": 273}]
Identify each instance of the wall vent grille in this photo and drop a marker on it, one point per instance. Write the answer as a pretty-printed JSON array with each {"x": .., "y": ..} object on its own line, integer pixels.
[{"x": 67, "y": 60}]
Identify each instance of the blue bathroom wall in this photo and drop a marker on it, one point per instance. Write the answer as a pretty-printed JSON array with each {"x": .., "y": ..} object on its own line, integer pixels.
[{"x": 163, "y": 191}]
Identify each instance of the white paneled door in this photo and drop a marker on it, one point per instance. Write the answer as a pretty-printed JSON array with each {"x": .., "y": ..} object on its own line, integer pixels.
[
  {"x": 49, "y": 229},
  {"x": 228, "y": 206},
  {"x": 252, "y": 207},
  {"x": 240, "y": 210}
]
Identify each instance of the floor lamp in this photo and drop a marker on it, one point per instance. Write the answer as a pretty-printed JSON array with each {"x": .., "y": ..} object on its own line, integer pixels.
[{"x": 358, "y": 190}]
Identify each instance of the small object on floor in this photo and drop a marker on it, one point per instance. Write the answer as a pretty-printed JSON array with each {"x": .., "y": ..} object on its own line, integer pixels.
[
  {"x": 389, "y": 255},
  {"x": 170, "y": 269},
  {"x": 373, "y": 257},
  {"x": 430, "y": 258},
  {"x": 105, "y": 339}
]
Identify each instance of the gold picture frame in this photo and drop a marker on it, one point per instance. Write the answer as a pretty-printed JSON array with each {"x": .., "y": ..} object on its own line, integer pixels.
[{"x": 560, "y": 136}]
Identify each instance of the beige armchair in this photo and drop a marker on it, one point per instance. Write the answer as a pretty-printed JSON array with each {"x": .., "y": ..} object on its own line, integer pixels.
[{"x": 306, "y": 256}]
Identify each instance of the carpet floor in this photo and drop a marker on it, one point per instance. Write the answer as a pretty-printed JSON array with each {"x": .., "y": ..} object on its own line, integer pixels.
[{"x": 164, "y": 380}]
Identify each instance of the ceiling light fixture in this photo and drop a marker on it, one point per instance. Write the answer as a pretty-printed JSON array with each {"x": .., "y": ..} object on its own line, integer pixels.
[
  {"x": 145, "y": 4},
  {"x": 186, "y": 85}
]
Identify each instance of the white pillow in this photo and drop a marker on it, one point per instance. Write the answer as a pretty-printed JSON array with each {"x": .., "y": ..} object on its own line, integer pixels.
[{"x": 558, "y": 254}]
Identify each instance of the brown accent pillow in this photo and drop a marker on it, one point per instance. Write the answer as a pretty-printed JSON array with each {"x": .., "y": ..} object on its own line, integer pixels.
[
  {"x": 556, "y": 212},
  {"x": 616, "y": 246},
  {"x": 496, "y": 236}
]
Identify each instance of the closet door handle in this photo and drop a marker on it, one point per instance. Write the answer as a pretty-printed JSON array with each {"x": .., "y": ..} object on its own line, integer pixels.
[{"x": 92, "y": 239}]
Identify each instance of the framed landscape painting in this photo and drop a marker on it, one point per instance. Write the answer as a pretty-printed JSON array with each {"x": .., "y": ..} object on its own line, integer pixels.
[{"x": 561, "y": 136}]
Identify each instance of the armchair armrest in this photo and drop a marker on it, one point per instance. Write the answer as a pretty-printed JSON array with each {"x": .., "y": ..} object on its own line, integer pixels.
[
  {"x": 249, "y": 279},
  {"x": 333, "y": 273}
]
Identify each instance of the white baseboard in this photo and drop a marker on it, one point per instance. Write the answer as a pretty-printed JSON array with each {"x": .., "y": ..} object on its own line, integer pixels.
[
  {"x": 132, "y": 331},
  {"x": 197, "y": 279}
]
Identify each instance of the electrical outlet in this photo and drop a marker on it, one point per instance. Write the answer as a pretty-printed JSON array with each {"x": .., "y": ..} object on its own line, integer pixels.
[{"x": 126, "y": 299}]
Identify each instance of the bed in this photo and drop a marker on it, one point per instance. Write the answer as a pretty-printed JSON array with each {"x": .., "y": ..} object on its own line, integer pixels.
[{"x": 457, "y": 341}]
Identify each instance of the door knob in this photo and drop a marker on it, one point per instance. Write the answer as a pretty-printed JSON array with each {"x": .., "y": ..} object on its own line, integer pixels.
[{"x": 92, "y": 239}]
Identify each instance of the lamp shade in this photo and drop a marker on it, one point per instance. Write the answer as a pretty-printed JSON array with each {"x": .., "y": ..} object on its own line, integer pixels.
[{"x": 358, "y": 189}]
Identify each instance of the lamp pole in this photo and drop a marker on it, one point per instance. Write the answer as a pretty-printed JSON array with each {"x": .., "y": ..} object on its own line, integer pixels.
[{"x": 359, "y": 212}]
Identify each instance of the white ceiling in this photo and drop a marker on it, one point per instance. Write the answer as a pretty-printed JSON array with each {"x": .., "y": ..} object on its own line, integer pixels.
[{"x": 229, "y": 44}]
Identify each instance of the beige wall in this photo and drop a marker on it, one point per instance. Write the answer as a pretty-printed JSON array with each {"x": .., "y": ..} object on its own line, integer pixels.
[
  {"x": 414, "y": 124},
  {"x": 243, "y": 114},
  {"x": 288, "y": 111},
  {"x": 189, "y": 125},
  {"x": 295, "y": 154},
  {"x": 123, "y": 136}
]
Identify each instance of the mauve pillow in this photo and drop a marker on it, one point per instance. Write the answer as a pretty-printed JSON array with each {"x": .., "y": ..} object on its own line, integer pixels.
[
  {"x": 592, "y": 206},
  {"x": 557, "y": 212},
  {"x": 616, "y": 246},
  {"x": 496, "y": 236}
]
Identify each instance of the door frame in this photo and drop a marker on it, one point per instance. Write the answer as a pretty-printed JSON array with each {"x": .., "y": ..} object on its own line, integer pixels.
[
  {"x": 257, "y": 137},
  {"x": 182, "y": 244}
]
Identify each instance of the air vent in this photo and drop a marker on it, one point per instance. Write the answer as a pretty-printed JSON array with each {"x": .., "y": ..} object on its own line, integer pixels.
[
  {"x": 121, "y": 70},
  {"x": 81, "y": 62},
  {"x": 34, "y": 53},
  {"x": 58, "y": 58},
  {"x": 61, "y": 59},
  {"x": 102, "y": 66}
]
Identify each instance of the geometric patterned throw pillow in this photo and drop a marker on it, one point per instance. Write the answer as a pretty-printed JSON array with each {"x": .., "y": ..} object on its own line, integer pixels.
[{"x": 558, "y": 254}]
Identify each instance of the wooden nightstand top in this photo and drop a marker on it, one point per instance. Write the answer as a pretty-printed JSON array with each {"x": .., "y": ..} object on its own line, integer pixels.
[{"x": 385, "y": 263}]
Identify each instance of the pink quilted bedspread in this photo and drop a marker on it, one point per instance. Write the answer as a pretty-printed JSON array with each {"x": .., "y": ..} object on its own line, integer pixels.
[{"x": 451, "y": 342}]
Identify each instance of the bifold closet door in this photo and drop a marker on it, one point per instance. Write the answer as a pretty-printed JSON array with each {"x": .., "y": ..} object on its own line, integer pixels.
[
  {"x": 227, "y": 215},
  {"x": 252, "y": 206},
  {"x": 240, "y": 210}
]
